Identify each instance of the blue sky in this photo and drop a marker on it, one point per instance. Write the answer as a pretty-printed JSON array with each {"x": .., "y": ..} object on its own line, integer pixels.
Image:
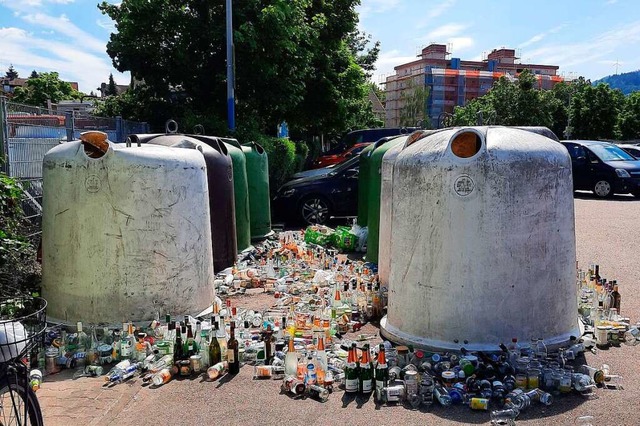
[{"x": 583, "y": 37}]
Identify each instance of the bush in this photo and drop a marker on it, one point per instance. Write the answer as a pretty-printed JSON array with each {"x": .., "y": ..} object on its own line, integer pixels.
[{"x": 19, "y": 271}]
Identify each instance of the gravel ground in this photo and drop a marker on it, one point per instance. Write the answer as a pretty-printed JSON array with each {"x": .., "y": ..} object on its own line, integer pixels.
[{"x": 606, "y": 233}]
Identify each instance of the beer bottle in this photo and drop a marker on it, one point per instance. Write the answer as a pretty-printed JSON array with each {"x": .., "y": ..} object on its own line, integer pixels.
[
  {"x": 232, "y": 351},
  {"x": 351, "y": 376}
]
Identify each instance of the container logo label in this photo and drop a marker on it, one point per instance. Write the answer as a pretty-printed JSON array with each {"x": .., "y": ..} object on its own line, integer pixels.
[
  {"x": 464, "y": 185},
  {"x": 93, "y": 183}
]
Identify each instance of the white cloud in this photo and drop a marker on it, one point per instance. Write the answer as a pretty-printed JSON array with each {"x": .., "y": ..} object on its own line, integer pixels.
[
  {"x": 62, "y": 25},
  {"x": 445, "y": 31},
  {"x": 589, "y": 51},
  {"x": 28, "y": 5},
  {"x": 608, "y": 2},
  {"x": 107, "y": 24},
  {"x": 387, "y": 61},
  {"x": 538, "y": 37},
  {"x": 440, "y": 8},
  {"x": 369, "y": 7},
  {"x": 459, "y": 44},
  {"x": 451, "y": 34},
  {"x": 28, "y": 51}
]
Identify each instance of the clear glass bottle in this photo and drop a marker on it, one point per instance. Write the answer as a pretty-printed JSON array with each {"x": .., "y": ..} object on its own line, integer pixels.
[
  {"x": 533, "y": 374},
  {"x": 565, "y": 382},
  {"x": 522, "y": 367}
]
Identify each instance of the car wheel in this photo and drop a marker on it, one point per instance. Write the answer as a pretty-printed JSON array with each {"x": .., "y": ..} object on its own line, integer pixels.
[
  {"x": 603, "y": 189},
  {"x": 315, "y": 210}
]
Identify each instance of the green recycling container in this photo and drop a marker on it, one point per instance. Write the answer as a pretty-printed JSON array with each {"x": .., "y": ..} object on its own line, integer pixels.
[
  {"x": 259, "y": 197},
  {"x": 241, "y": 192},
  {"x": 374, "y": 186},
  {"x": 363, "y": 185}
]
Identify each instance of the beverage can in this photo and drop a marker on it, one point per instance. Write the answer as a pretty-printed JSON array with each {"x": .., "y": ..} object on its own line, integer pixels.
[
  {"x": 479, "y": 404},
  {"x": 393, "y": 393}
]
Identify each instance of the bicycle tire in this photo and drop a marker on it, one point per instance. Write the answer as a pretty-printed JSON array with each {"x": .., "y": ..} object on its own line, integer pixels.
[{"x": 22, "y": 394}]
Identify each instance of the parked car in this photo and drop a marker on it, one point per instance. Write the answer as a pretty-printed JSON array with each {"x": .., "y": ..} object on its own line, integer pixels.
[
  {"x": 631, "y": 149},
  {"x": 328, "y": 160},
  {"x": 603, "y": 168},
  {"x": 315, "y": 199},
  {"x": 367, "y": 135}
]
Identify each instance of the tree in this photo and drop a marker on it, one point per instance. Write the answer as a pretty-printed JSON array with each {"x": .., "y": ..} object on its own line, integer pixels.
[
  {"x": 34, "y": 74},
  {"x": 511, "y": 102},
  {"x": 295, "y": 60},
  {"x": 414, "y": 104},
  {"x": 593, "y": 112},
  {"x": 11, "y": 73},
  {"x": 111, "y": 87},
  {"x": 366, "y": 57},
  {"x": 47, "y": 86},
  {"x": 629, "y": 118}
]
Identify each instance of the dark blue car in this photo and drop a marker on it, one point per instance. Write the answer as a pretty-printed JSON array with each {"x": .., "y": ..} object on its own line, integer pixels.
[
  {"x": 603, "y": 168},
  {"x": 317, "y": 198}
]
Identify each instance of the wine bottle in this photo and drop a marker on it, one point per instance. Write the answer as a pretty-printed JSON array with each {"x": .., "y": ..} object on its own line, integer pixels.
[
  {"x": 366, "y": 375},
  {"x": 232, "y": 351},
  {"x": 352, "y": 382},
  {"x": 381, "y": 372},
  {"x": 215, "y": 352}
]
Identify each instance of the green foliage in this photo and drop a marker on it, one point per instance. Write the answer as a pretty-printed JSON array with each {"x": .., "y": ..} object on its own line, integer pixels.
[
  {"x": 593, "y": 112},
  {"x": 18, "y": 268},
  {"x": 111, "y": 87},
  {"x": 11, "y": 73},
  {"x": 627, "y": 82},
  {"x": 301, "y": 61},
  {"x": 47, "y": 86},
  {"x": 509, "y": 103},
  {"x": 34, "y": 74},
  {"x": 414, "y": 104},
  {"x": 629, "y": 117},
  {"x": 282, "y": 159}
]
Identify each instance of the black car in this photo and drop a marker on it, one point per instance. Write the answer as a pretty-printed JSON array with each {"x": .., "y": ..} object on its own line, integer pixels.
[
  {"x": 315, "y": 199},
  {"x": 603, "y": 168}
]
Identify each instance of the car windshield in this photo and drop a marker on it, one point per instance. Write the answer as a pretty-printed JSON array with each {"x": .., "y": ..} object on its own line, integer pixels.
[
  {"x": 345, "y": 165},
  {"x": 610, "y": 153}
]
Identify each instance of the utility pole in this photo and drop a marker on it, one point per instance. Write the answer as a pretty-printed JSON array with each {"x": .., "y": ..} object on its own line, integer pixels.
[{"x": 231, "y": 99}]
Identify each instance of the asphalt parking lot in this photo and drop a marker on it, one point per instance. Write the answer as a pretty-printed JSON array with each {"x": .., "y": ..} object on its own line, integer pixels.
[{"x": 606, "y": 232}]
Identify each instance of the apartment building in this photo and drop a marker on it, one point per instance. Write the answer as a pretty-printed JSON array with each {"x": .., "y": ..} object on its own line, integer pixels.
[{"x": 453, "y": 81}]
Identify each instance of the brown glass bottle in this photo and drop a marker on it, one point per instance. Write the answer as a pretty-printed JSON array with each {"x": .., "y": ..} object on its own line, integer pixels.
[{"x": 232, "y": 351}]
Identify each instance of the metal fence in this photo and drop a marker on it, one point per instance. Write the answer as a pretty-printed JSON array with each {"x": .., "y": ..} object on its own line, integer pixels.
[{"x": 28, "y": 132}]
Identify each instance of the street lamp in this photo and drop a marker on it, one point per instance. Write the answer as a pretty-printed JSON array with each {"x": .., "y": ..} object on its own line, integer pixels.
[{"x": 230, "y": 77}]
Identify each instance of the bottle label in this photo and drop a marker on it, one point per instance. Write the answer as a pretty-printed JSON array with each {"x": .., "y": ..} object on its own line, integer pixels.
[
  {"x": 351, "y": 385},
  {"x": 379, "y": 384},
  {"x": 366, "y": 386},
  {"x": 230, "y": 356}
]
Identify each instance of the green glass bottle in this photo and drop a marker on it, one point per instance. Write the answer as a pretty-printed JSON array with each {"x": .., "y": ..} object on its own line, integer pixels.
[
  {"x": 381, "y": 373},
  {"x": 366, "y": 374},
  {"x": 215, "y": 352},
  {"x": 351, "y": 376}
]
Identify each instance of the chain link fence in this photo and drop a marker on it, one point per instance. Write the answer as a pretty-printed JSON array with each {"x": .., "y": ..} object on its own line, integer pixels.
[{"x": 28, "y": 132}]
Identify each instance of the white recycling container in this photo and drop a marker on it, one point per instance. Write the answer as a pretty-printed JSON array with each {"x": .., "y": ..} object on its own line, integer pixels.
[
  {"x": 126, "y": 236},
  {"x": 482, "y": 248}
]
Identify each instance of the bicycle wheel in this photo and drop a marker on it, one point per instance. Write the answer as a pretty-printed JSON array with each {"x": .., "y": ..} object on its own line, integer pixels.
[{"x": 15, "y": 394}]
